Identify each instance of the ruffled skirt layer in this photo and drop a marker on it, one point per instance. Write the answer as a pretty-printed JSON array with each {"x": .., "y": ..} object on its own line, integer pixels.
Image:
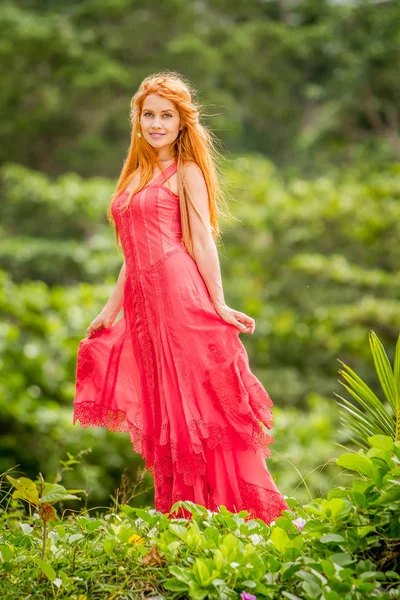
[{"x": 175, "y": 376}]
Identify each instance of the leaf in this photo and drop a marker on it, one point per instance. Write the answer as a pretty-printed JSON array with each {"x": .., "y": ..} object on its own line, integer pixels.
[
  {"x": 289, "y": 570},
  {"x": 109, "y": 545},
  {"x": 306, "y": 576},
  {"x": 54, "y": 492},
  {"x": 212, "y": 534},
  {"x": 202, "y": 571},
  {"x": 341, "y": 558},
  {"x": 376, "y": 420},
  {"x": 280, "y": 539},
  {"x": 143, "y": 514},
  {"x": 61, "y": 531},
  {"x": 174, "y": 585},
  {"x": 331, "y": 537},
  {"x": 297, "y": 542},
  {"x": 272, "y": 564},
  {"x": 332, "y": 508},
  {"x": 25, "y": 489},
  {"x": 382, "y": 442},
  {"x": 332, "y": 595},
  {"x": 75, "y": 537},
  {"x": 6, "y": 553},
  {"x": 46, "y": 568},
  {"x": 364, "y": 530},
  {"x": 179, "y": 530},
  {"x": 153, "y": 557},
  {"x": 359, "y": 463},
  {"x": 195, "y": 508},
  {"x": 364, "y": 395},
  {"x": 312, "y": 589},
  {"x": 182, "y": 574},
  {"x": 219, "y": 559},
  {"x": 392, "y": 575},
  {"x": 361, "y": 423},
  {"x": 328, "y": 567},
  {"x": 290, "y": 596},
  {"x": 397, "y": 389},
  {"x": 392, "y": 495},
  {"x": 383, "y": 369},
  {"x": 249, "y": 584},
  {"x": 230, "y": 541}
]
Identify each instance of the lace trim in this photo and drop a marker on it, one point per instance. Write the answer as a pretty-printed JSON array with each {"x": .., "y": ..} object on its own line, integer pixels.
[
  {"x": 160, "y": 458},
  {"x": 261, "y": 503},
  {"x": 261, "y": 404},
  {"x": 85, "y": 365}
]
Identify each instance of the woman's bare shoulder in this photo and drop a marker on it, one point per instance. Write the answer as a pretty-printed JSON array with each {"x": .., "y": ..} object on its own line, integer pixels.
[{"x": 192, "y": 169}]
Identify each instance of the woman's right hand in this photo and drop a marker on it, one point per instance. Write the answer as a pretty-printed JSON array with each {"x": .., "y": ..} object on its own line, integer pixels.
[{"x": 102, "y": 320}]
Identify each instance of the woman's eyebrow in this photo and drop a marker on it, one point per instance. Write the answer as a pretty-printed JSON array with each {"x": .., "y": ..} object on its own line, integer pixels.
[{"x": 164, "y": 110}]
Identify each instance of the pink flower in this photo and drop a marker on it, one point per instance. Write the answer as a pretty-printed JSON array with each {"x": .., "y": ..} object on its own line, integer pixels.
[
  {"x": 246, "y": 596},
  {"x": 299, "y": 522}
]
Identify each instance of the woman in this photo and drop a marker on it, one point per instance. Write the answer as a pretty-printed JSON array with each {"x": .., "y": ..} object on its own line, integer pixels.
[{"x": 173, "y": 371}]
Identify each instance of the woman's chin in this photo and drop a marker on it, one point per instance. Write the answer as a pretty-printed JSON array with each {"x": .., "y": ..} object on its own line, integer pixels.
[{"x": 159, "y": 143}]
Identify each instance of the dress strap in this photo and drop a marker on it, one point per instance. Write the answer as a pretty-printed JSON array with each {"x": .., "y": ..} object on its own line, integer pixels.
[{"x": 166, "y": 174}]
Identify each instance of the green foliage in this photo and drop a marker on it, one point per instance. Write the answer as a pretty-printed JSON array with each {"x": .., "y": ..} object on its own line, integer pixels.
[
  {"x": 346, "y": 545},
  {"x": 318, "y": 80},
  {"x": 42, "y": 497},
  {"x": 377, "y": 417},
  {"x": 316, "y": 275},
  {"x": 39, "y": 334},
  {"x": 57, "y": 231}
]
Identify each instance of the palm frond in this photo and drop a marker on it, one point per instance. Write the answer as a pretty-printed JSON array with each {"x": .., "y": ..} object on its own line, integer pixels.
[
  {"x": 383, "y": 369},
  {"x": 397, "y": 388},
  {"x": 367, "y": 399},
  {"x": 372, "y": 416}
]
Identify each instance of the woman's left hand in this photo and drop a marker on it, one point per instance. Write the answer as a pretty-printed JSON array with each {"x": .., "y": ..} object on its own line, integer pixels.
[{"x": 242, "y": 321}]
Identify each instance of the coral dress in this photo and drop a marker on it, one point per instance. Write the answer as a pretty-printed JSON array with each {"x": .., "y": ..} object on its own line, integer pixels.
[{"x": 175, "y": 375}]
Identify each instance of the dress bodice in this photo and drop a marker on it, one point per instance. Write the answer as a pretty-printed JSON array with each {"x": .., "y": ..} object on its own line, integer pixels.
[{"x": 150, "y": 228}]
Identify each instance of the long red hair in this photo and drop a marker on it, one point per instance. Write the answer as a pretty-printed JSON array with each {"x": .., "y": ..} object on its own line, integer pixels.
[{"x": 195, "y": 143}]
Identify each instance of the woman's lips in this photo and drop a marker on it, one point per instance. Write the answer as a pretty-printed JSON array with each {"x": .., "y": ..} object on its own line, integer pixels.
[{"x": 157, "y": 135}]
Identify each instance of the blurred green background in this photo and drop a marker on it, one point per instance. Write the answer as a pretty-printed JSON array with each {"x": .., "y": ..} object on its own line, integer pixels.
[{"x": 304, "y": 97}]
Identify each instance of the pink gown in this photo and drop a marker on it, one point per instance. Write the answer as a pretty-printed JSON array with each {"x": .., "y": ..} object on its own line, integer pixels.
[{"x": 175, "y": 375}]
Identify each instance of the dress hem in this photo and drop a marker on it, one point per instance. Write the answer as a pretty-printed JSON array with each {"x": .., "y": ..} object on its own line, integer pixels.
[{"x": 90, "y": 414}]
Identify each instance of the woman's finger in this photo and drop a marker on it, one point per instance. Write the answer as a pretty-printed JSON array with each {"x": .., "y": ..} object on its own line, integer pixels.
[
  {"x": 241, "y": 326},
  {"x": 91, "y": 329},
  {"x": 247, "y": 321}
]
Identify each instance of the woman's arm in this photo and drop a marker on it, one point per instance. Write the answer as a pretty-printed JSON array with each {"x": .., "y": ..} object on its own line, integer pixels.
[
  {"x": 116, "y": 300},
  {"x": 205, "y": 250},
  {"x": 112, "y": 307}
]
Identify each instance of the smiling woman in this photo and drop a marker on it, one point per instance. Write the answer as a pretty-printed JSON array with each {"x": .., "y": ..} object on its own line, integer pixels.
[
  {"x": 172, "y": 371},
  {"x": 160, "y": 123}
]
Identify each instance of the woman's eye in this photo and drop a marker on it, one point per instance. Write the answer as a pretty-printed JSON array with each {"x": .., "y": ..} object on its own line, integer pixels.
[{"x": 166, "y": 114}]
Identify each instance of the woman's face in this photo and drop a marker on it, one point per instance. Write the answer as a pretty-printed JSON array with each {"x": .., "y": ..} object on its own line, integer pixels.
[{"x": 160, "y": 121}]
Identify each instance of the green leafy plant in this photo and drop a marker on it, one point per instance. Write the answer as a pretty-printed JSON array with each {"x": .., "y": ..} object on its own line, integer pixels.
[
  {"x": 42, "y": 496},
  {"x": 344, "y": 546},
  {"x": 375, "y": 416}
]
